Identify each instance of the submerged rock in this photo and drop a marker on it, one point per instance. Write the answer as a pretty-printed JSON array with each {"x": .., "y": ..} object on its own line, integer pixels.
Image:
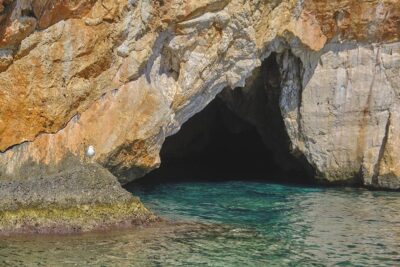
[{"x": 135, "y": 71}]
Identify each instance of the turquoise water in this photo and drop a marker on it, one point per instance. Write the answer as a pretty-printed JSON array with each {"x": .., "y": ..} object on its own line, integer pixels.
[{"x": 235, "y": 224}]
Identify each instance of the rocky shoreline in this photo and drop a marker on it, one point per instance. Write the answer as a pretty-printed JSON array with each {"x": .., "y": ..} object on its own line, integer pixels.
[
  {"x": 90, "y": 90},
  {"x": 82, "y": 198}
]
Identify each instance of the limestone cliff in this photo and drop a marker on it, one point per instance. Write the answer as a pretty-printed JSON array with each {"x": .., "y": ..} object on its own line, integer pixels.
[{"x": 104, "y": 82}]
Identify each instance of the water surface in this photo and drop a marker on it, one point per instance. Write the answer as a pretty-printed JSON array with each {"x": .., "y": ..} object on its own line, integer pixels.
[{"x": 235, "y": 224}]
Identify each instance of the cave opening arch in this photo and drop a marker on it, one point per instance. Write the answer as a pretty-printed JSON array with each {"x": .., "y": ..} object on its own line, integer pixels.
[{"x": 240, "y": 135}]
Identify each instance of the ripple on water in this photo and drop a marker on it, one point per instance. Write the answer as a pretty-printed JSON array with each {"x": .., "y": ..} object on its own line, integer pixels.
[{"x": 235, "y": 224}]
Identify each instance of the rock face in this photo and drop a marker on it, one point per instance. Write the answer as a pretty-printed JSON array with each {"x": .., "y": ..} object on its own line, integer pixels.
[
  {"x": 119, "y": 76},
  {"x": 346, "y": 129},
  {"x": 81, "y": 197}
]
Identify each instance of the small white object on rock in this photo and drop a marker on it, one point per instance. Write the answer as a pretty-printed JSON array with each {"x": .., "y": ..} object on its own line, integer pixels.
[{"x": 90, "y": 151}]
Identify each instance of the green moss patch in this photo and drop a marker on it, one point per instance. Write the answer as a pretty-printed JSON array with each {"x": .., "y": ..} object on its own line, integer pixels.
[{"x": 80, "y": 218}]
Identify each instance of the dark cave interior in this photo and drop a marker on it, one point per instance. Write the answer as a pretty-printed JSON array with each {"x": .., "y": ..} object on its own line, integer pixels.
[{"x": 240, "y": 135}]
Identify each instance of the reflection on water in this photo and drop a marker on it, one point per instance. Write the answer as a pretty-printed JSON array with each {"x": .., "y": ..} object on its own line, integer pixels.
[{"x": 235, "y": 224}]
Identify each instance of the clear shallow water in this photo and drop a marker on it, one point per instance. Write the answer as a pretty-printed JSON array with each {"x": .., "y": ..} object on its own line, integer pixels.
[{"x": 235, "y": 224}]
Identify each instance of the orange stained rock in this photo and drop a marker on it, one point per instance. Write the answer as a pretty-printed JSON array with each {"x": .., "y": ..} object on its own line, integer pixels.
[{"x": 65, "y": 67}]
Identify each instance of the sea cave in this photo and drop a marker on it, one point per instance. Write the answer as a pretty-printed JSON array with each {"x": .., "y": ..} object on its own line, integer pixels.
[{"x": 239, "y": 135}]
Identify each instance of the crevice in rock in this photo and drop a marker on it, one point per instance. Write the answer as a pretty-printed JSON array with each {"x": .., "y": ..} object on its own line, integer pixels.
[
  {"x": 375, "y": 178},
  {"x": 27, "y": 12}
]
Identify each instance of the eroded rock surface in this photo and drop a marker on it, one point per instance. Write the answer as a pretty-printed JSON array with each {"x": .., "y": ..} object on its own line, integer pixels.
[
  {"x": 68, "y": 198},
  {"x": 120, "y": 76}
]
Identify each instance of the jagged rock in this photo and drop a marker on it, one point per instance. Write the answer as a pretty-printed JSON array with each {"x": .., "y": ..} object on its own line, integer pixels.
[
  {"x": 120, "y": 76},
  {"x": 71, "y": 197},
  {"x": 348, "y": 93}
]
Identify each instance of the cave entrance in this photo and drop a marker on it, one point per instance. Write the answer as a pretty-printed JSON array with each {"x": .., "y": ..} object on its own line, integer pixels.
[
  {"x": 214, "y": 145},
  {"x": 240, "y": 135}
]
